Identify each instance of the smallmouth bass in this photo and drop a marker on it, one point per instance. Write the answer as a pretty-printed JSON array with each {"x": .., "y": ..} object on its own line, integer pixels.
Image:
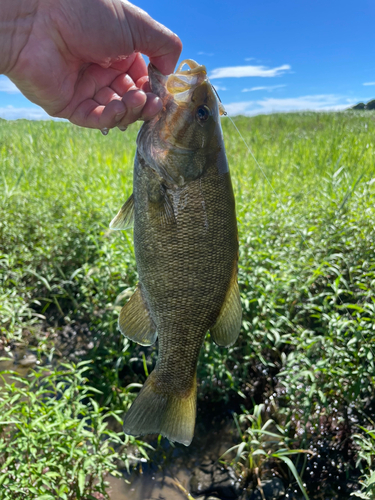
[{"x": 186, "y": 248}]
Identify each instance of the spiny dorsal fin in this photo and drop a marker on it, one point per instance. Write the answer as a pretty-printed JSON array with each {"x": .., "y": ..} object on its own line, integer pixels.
[
  {"x": 125, "y": 218},
  {"x": 135, "y": 321},
  {"x": 228, "y": 324}
]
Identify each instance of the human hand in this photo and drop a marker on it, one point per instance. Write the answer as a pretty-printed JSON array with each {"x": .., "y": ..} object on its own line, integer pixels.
[{"x": 81, "y": 60}]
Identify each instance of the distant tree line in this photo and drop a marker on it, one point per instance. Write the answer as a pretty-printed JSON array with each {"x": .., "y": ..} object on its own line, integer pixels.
[{"x": 361, "y": 105}]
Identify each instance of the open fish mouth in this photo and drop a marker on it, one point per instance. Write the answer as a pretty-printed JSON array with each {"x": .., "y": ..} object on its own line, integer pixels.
[{"x": 184, "y": 89}]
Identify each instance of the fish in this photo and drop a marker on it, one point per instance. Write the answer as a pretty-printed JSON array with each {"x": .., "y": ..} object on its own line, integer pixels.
[{"x": 186, "y": 247}]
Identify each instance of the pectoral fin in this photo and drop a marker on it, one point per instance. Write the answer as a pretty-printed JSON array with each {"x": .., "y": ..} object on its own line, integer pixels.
[
  {"x": 166, "y": 213},
  {"x": 135, "y": 321},
  {"x": 160, "y": 208},
  {"x": 125, "y": 218},
  {"x": 228, "y": 324}
]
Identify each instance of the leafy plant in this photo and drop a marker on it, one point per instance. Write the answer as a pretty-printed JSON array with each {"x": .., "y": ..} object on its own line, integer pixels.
[
  {"x": 259, "y": 444},
  {"x": 54, "y": 437},
  {"x": 366, "y": 461}
]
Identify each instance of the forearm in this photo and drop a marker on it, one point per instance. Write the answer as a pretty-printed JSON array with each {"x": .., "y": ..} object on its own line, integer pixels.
[{"x": 16, "y": 20}]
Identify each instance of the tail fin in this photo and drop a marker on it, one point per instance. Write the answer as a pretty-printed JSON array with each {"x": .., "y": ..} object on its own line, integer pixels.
[{"x": 155, "y": 412}]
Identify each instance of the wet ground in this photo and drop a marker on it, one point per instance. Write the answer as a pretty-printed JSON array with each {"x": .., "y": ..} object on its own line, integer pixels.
[
  {"x": 21, "y": 363},
  {"x": 169, "y": 474},
  {"x": 150, "y": 486}
]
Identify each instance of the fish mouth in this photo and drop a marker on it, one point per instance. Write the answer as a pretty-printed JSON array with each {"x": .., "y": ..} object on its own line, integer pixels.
[{"x": 180, "y": 85}]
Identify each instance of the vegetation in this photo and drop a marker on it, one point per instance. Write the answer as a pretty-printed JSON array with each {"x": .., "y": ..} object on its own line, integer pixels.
[
  {"x": 369, "y": 106},
  {"x": 54, "y": 438},
  {"x": 259, "y": 445},
  {"x": 306, "y": 272}
]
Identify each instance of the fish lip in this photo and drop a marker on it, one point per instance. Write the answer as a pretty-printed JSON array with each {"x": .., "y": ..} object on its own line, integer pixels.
[{"x": 157, "y": 81}]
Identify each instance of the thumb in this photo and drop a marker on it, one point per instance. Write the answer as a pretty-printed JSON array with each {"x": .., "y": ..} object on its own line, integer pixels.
[{"x": 151, "y": 38}]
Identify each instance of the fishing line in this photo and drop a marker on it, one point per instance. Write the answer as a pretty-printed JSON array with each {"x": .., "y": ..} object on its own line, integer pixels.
[
  {"x": 287, "y": 212},
  {"x": 261, "y": 169}
]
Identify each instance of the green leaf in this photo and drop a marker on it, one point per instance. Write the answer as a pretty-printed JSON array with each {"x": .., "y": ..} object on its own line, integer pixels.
[
  {"x": 259, "y": 452},
  {"x": 371, "y": 480},
  {"x": 293, "y": 470},
  {"x": 81, "y": 481},
  {"x": 3, "y": 477},
  {"x": 360, "y": 494}
]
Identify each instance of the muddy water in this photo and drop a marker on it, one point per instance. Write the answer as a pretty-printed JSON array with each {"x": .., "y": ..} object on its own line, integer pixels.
[
  {"x": 166, "y": 479},
  {"x": 147, "y": 487},
  {"x": 21, "y": 363}
]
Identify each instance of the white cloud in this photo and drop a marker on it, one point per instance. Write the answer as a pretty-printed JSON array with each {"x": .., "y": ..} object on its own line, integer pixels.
[
  {"x": 206, "y": 54},
  {"x": 323, "y": 102},
  {"x": 369, "y": 83},
  {"x": 219, "y": 88},
  {"x": 268, "y": 88},
  {"x": 249, "y": 58},
  {"x": 31, "y": 113},
  {"x": 241, "y": 71},
  {"x": 7, "y": 86}
]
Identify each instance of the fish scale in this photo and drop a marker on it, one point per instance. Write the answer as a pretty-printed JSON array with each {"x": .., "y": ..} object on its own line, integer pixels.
[{"x": 186, "y": 248}]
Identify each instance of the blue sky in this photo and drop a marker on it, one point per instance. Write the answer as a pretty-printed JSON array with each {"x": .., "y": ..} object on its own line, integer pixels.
[{"x": 264, "y": 55}]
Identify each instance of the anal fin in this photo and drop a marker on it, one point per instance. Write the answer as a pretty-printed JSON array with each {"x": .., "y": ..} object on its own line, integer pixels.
[
  {"x": 125, "y": 217},
  {"x": 228, "y": 324},
  {"x": 135, "y": 321}
]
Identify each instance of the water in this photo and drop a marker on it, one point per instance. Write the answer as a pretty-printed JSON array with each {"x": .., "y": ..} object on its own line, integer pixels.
[
  {"x": 150, "y": 486},
  {"x": 22, "y": 362},
  {"x": 167, "y": 477}
]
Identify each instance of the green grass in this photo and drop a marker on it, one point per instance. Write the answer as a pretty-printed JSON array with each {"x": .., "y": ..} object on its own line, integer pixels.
[{"x": 306, "y": 270}]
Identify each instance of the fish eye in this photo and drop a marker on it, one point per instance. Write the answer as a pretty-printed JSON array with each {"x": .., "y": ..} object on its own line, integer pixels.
[{"x": 203, "y": 113}]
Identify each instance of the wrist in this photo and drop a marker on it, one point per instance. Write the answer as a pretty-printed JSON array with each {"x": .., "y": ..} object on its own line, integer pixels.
[{"x": 16, "y": 21}]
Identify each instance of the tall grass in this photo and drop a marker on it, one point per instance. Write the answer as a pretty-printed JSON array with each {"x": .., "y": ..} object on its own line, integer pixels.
[{"x": 306, "y": 270}]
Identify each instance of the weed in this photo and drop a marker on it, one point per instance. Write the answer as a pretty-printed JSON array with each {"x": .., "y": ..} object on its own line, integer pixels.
[
  {"x": 259, "y": 445},
  {"x": 54, "y": 437}
]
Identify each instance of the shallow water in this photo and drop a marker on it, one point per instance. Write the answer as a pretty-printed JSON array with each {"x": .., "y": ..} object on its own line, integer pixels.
[
  {"x": 22, "y": 362},
  {"x": 165, "y": 479},
  {"x": 149, "y": 486}
]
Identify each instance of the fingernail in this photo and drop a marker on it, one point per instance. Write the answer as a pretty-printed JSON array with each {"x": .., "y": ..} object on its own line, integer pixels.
[{"x": 159, "y": 104}]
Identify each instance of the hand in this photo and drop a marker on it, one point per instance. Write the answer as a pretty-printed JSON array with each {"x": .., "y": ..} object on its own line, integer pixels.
[{"x": 82, "y": 61}]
